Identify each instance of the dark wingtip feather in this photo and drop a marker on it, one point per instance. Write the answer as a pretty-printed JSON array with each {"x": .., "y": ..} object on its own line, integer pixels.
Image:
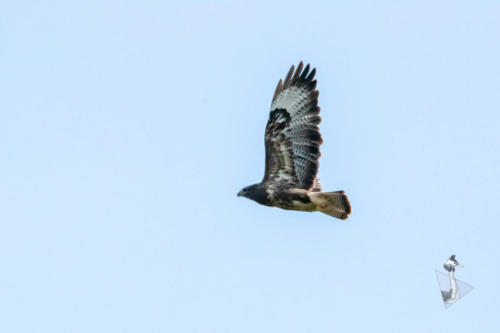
[
  {"x": 279, "y": 87},
  {"x": 287, "y": 82},
  {"x": 311, "y": 75},
  {"x": 305, "y": 72},
  {"x": 297, "y": 72}
]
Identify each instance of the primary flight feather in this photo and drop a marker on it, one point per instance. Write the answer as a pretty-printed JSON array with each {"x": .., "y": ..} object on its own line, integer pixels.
[{"x": 292, "y": 151}]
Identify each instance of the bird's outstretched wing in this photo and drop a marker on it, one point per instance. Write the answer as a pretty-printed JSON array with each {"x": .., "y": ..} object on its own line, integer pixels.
[{"x": 292, "y": 133}]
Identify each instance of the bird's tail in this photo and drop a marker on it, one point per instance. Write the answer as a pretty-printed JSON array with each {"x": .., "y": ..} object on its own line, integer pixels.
[{"x": 335, "y": 204}]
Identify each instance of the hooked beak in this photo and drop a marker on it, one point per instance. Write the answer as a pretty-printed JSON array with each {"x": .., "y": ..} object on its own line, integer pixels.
[{"x": 240, "y": 193}]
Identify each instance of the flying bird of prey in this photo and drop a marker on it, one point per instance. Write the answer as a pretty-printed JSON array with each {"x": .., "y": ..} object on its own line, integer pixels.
[{"x": 292, "y": 151}]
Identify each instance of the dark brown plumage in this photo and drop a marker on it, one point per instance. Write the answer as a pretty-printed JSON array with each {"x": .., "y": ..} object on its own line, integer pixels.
[{"x": 292, "y": 140}]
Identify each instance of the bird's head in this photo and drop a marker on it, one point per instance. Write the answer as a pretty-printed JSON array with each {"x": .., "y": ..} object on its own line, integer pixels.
[
  {"x": 247, "y": 191},
  {"x": 253, "y": 192},
  {"x": 451, "y": 264}
]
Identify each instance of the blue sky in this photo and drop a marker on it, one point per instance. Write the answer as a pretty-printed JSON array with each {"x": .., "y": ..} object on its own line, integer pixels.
[{"x": 127, "y": 128}]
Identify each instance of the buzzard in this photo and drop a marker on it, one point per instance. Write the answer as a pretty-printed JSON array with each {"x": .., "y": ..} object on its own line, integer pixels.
[{"x": 292, "y": 151}]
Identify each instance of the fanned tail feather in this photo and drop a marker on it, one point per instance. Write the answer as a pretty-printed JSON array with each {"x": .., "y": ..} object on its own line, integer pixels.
[{"x": 335, "y": 204}]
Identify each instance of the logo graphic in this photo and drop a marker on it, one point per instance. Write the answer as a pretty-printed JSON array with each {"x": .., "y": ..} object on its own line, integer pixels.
[{"x": 451, "y": 288}]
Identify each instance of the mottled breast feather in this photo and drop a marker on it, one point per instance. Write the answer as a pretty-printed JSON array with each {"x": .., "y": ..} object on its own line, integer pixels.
[{"x": 292, "y": 135}]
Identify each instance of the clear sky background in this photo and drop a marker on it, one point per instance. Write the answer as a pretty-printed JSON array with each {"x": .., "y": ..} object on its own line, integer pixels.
[{"x": 128, "y": 127}]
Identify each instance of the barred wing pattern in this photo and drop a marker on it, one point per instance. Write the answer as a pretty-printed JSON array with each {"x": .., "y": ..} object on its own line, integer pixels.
[{"x": 292, "y": 134}]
